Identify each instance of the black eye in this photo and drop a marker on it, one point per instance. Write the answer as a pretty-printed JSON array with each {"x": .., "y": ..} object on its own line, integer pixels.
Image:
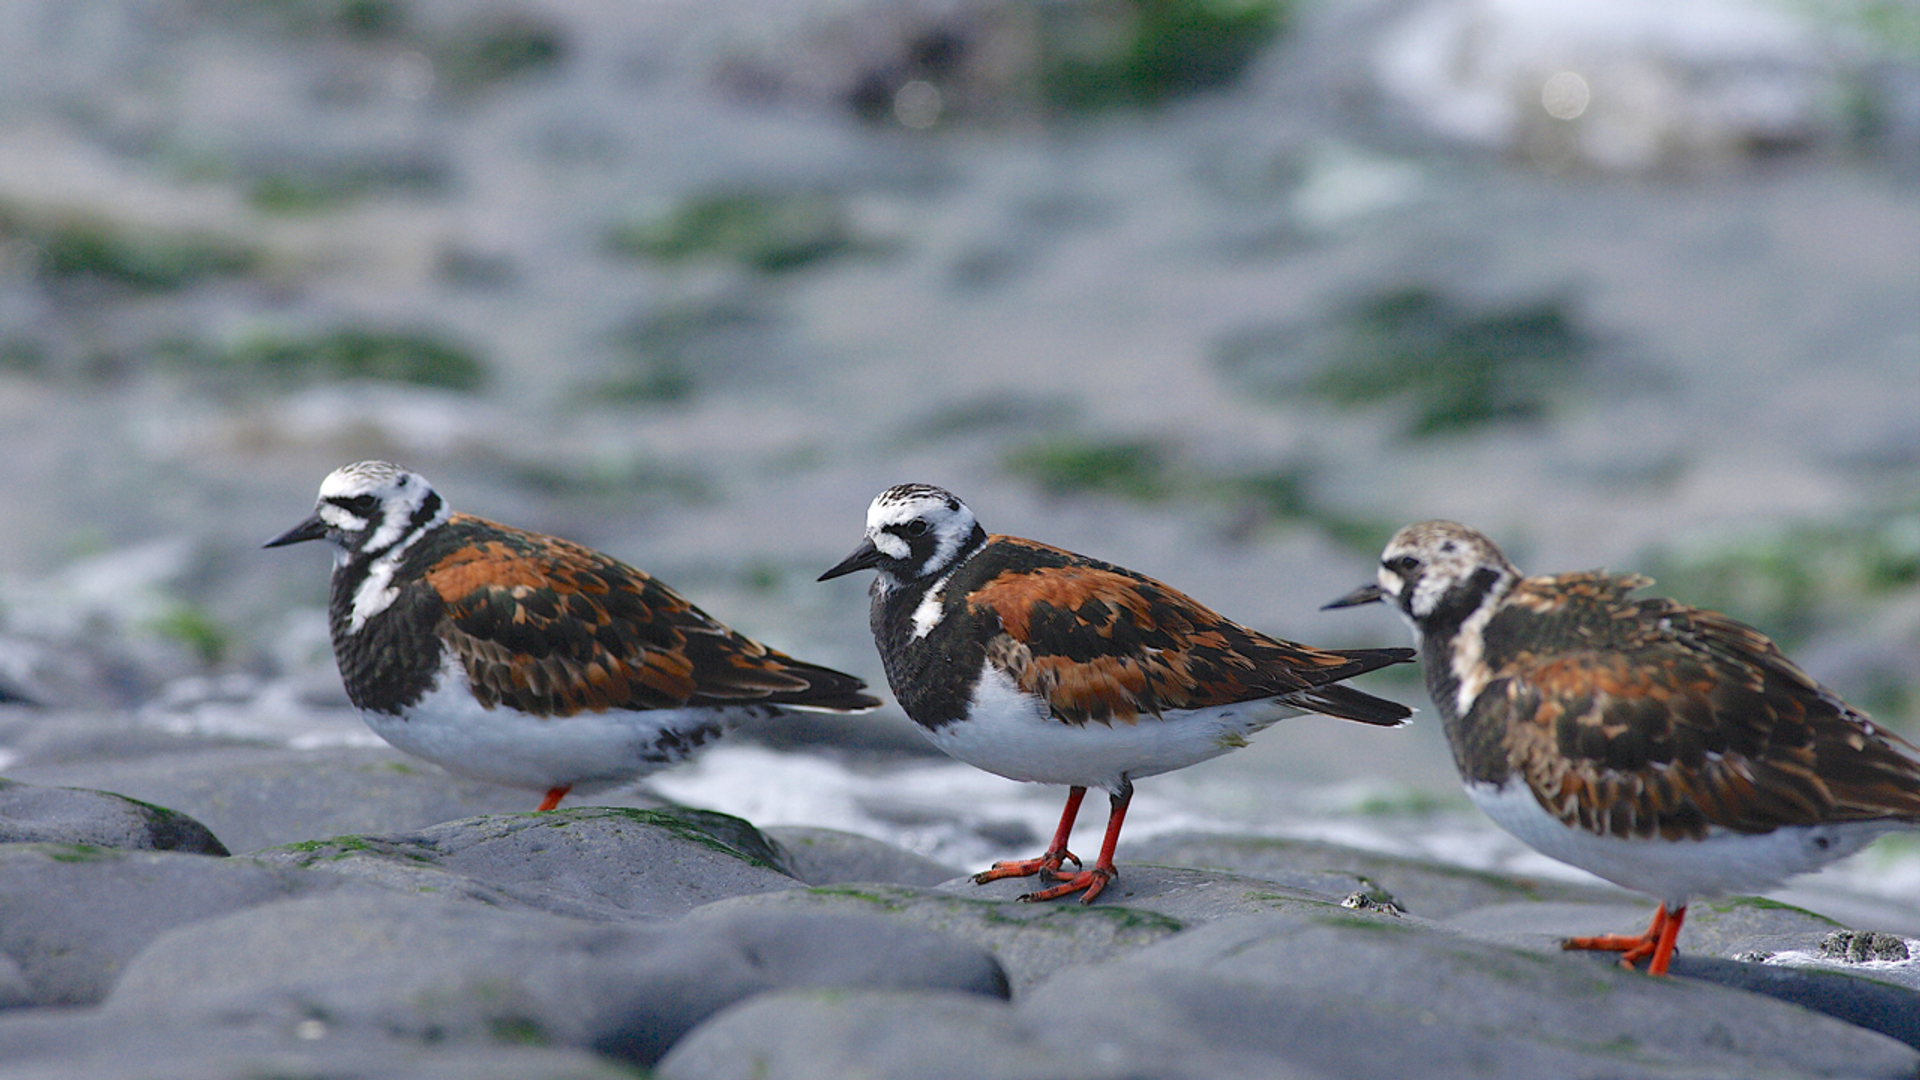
[
  {"x": 1405, "y": 565},
  {"x": 359, "y": 505},
  {"x": 916, "y": 527}
]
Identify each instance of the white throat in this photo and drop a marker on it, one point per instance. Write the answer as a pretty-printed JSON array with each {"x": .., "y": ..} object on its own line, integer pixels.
[
  {"x": 1468, "y": 647},
  {"x": 932, "y": 607},
  {"x": 376, "y": 591}
]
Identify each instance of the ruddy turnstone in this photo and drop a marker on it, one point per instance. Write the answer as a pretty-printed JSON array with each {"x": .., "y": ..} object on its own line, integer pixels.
[
  {"x": 524, "y": 659},
  {"x": 1670, "y": 750},
  {"x": 1046, "y": 666}
]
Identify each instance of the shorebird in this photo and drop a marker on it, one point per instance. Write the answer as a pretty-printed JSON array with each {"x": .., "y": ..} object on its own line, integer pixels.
[
  {"x": 1041, "y": 665},
  {"x": 526, "y": 660},
  {"x": 1670, "y": 750}
]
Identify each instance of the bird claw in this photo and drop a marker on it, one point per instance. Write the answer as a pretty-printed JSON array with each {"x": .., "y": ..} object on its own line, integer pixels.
[
  {"x": 1632, "y": 948},
  {"x": 1092, "y": 881},
  {"x": 1657, "y": 943},
  {"x": 1049, "y": 863}
]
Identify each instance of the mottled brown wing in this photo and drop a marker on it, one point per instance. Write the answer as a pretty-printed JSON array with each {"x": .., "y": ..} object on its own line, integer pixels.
[
  {"x": 1104, "y": 644},
  {"x": 1647, "y": 718},
  {"x": 553, "y": 628}
]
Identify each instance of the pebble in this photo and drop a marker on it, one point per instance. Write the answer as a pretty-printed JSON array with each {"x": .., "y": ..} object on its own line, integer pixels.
[{"x": 1858, "y": 947}]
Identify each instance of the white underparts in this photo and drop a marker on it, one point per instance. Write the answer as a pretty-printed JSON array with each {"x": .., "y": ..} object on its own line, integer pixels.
[
  {"x": 1674, "y": 871},
  {"x": 591, "y": 751},
  {"x": 1011, "y": 733}
]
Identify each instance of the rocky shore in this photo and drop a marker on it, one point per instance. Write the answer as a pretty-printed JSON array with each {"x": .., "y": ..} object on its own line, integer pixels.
[
  {"x": 348, "y": 913},
  {"x": 672, "y": 280}
]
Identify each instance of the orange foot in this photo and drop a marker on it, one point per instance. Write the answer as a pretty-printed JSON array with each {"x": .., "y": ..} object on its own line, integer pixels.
[
  {"x": 553, "y": 798},
  {"x": 1092, "y": 881},
  {"x": 1657, "y": 942},
  {"x": 1049, "y": 863},
  {"x": 1087, "y": 883},
  {"x": 1057, "y": 852}
]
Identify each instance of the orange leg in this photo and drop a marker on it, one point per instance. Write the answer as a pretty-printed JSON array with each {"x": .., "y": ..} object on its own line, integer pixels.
[
  {"x": 554, "y": 795},
  {"x": 1057, "y": 852},
  {"x": 1669, "y": 937},
  {"x": 1095, "y": 879},
  {"x": 1657, "y": 942}
]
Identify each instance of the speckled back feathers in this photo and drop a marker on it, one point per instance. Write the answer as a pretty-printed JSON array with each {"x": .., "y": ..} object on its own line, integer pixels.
[
  {"x": 539, "y": 624},
  {"x": 1634, "y": 717},
  {"x": 1098, "y": 643}
]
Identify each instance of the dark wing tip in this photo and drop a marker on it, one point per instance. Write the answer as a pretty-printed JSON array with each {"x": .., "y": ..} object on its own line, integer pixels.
[
  {"x": 1362, "y": 661},
  {"x": 850, "y": 703},
  {"x": 824, "y": 689},
  {"x": 1346, "y": 703}
]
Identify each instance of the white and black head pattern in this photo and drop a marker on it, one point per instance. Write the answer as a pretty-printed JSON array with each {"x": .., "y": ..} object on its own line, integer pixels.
[
  {"x": 1437, "y": 574},
  {"x": 369, "y": 509},
  {"x": 372, "y": 512},
  {"x": 914, "y": 532}
]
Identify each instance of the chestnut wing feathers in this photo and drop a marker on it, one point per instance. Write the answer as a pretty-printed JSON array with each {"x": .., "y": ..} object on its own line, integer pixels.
[
  {"x": 1650, "y": 718},
  {"x": 1101, "y": 643},
  {"x": 553, "y": 628}
]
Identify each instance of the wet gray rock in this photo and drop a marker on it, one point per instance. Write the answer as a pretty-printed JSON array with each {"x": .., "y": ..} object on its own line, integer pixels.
[
  {"x": 65, "y": 1044},
  {"x": 72, "y": 917},
  {"x": 1335, "y": 994},
  {"x": 832, "y": 857},
  {"x": 31, "y": 813},
  {"x": 1503, "y": 1011},
  {"x": 610, "y": 932},
  {"x": 1739, "y": 924},
  {"x": 1893, "y": 1011},
  {"x": 1738, "y": 927},
  {"x": 443, "y": 971},
  {"x": 854, "y": 950},
  {"x": 1030, "y": 940},
  {"x": 1537, "y": 914},
  {"x": 15, "y": 989},
  {"x": 1748, "y": 929},
  {"x": 1188, "y": 897},
  {"x": 1420, "y": 887},
  {"x": 591, "y": 862},
  {"x": 928, "y": 1036},
  {"x": 254, "y": 797}
]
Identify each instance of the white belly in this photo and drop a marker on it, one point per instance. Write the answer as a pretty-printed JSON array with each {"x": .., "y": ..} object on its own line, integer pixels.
[
  {"x": 1013, "y": 735},
  {"x": 590, "y": 751},
  {"x": 1674, "y": 871}
]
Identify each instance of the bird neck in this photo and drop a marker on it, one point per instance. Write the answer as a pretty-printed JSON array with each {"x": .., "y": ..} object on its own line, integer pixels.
[
  {"x": 931, "y": 664},
  {"x": 363, "y": 586}
]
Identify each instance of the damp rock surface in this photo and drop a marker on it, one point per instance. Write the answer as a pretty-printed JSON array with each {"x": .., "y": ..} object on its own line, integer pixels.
[{"x": 604, "y": 937}]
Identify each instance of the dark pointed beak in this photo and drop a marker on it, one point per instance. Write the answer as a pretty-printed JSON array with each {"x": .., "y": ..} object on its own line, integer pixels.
[
  {"x": 311, "y": 529},
  {"x": 1365, "y": 594},
  {"x": 864, "y": 557}
]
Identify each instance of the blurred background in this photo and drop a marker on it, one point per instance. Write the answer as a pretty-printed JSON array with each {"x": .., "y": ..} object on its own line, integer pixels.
[{"x": 1221, "y": 290}]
